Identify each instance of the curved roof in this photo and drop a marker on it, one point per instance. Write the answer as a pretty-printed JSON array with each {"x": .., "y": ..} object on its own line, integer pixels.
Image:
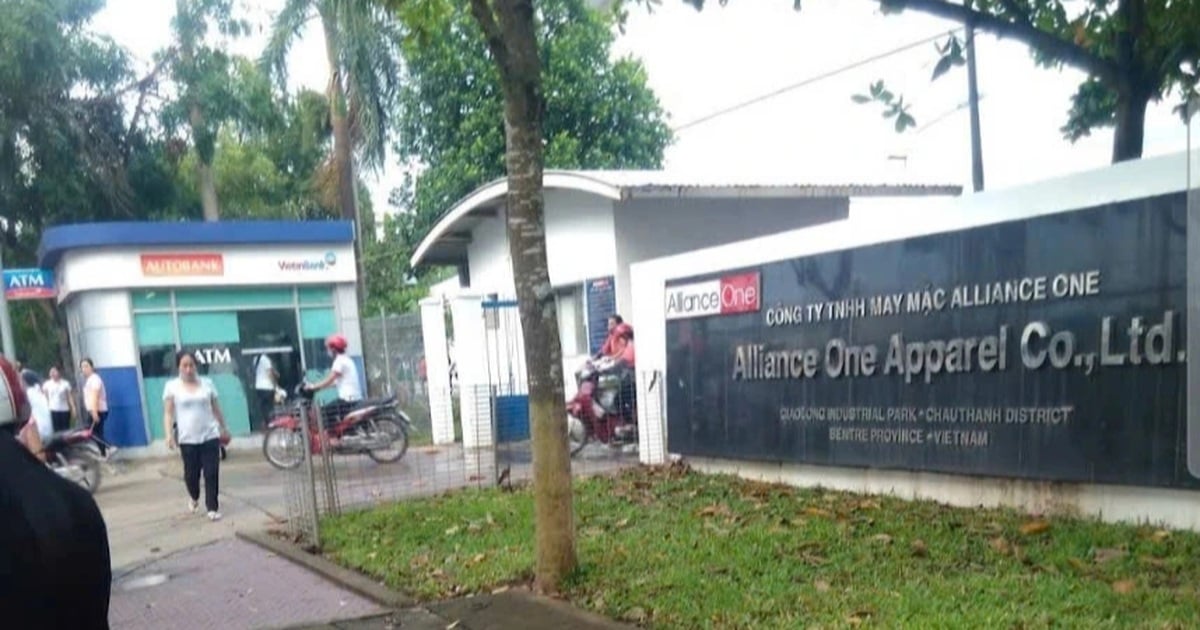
[
  {"x": 446, "y": 242},
  {"x": 60, "y": 239}
]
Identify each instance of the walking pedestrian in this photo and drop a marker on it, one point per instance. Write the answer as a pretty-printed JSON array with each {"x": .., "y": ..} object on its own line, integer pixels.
[
  {"x": 190, "y": 407},
  {"x": 95, "y": 401},
  {"x": 62, "y": 402}
]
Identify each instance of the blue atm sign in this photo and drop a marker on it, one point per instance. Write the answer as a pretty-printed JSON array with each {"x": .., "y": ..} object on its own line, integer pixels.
[{"x": 28, "y": 284}]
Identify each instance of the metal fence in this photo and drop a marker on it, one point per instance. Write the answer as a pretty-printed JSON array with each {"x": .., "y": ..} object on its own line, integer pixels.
[
  {"x": 394, "y": 355},
  {"x": 329, "y": 484}
]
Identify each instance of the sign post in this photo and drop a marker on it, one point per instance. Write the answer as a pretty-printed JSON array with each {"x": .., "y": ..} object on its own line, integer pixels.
[{"x": 6, "y": 333}]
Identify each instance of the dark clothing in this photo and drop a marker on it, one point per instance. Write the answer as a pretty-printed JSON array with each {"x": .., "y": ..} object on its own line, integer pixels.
[
  {"x": 60, "y": 420},
  {"x": 334, "y": 411},
  {"x": 55, "y": 569},
  {"x": 202, "y": 458},
  {"x": 98, "y": 432},
  {"x": 266, "y": 403}
]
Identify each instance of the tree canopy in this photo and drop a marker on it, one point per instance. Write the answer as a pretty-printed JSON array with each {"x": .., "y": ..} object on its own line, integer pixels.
[{"x": 599, "y": 114}]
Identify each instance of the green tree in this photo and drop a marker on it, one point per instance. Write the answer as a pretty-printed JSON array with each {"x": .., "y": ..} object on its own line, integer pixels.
[
  {"x": 202, "y": 74},
  {"x": 362, "y": 48},
  {"x": 68, "y": 152},
  {"x": 1131, "y": 50},
  {"x": 600, "y": 113}
]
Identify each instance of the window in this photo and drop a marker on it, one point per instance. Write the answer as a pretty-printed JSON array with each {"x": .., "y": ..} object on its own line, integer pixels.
[{"x": 572, "y": 331}]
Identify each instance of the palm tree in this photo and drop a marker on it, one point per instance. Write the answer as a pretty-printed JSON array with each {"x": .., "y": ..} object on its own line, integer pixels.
[{"x": 362, "y": 45}]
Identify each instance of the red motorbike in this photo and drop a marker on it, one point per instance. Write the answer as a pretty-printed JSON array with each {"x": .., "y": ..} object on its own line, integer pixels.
[
  {"x": 376, "y": 428},
  {"x": 604, "y": 408}
]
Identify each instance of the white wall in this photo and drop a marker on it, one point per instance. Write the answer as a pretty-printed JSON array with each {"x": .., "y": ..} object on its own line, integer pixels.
[
  {"x": 579, "y": 244},
  {"x": 121, "y": 267},
  {"x": 1121, "y": 182},
  {"x": 652, "y": 228}
]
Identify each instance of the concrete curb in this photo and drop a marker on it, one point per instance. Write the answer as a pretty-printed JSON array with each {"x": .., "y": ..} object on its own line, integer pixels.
[{"x": 350, "y": 580}]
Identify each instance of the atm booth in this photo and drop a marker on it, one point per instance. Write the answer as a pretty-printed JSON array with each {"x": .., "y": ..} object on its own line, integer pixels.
[{"x": 231, "y": 291}]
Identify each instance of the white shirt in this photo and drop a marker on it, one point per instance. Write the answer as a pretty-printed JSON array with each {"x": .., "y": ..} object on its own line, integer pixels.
[
  {"x": 59, "y": 394},
  {"x": 39, "y": 408},
  {"x": 193, "y": 411},
  {"x": 348, "y": 387},
  {"x": 262, "y": 373}
]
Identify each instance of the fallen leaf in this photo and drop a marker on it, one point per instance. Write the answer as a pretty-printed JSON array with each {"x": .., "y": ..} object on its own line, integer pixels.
[
  {"x": 474, "y": 527},
  {"x": 1000, "y": 545},
  {"x": 714, "y": 510},
  {"x": 637, "y": 614},
  {"x": 814, "y": 559},
  {"x": 621, "y": 524},
  {"x": 1124, "y": 587},
  {"x": 452, "y": 531},
  {"x": 502, "y": 589},
  {"x": 919, "y": 548},
  {"x": 1104, "y": 555},
  {"x": 822, "y": 586},
  {"x": 868, "y": 505},
  {"x": 453, "y": 625},
  {"x": 882, "y": 538},
  {"x": 858, "y": 617},
  {"x": 1032, "y": 528},
  {"x": 1152, "y": 561},
  {"x": 816, "y": 511},
  {"x": 477, "y": 559},
  {"x": 490, "y": 520},
  {"x": 155, "y": 550},
  {"x": 1160, "y": 535}
]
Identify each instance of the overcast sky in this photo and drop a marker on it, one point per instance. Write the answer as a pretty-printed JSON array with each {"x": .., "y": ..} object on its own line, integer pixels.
[{"x": 700, "y": 62}]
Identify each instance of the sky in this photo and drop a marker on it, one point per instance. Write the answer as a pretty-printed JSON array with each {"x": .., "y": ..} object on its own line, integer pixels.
[{"x": 702, "y": 62}]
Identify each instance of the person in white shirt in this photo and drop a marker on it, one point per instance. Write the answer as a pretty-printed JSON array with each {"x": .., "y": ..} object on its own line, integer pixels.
[
  {"x": 266, "y": 379},
  {"x": 344, "y": 375},
  {"x": 192, "y": 419},
  {"x": 39, "y": 406},
  {"x": 62, "y": 403}
]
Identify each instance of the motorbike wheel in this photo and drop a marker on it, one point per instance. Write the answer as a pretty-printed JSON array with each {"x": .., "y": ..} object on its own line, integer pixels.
[
  {"x": 398, "y": 446},
  {"x": 90, "y": 467},
  {"x": 577, "y": 436},
  {"x": 283, "y": 448}
]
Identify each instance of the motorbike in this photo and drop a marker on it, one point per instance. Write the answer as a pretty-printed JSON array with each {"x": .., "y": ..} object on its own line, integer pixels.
[
  {"x": 75, "y": 457},
  {"x": 376, "y": 428},
  {"x": 604, "y": 408}
]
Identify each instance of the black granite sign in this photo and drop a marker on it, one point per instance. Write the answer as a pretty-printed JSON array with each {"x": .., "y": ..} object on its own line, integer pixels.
[{"x": 1046, "y": 348}]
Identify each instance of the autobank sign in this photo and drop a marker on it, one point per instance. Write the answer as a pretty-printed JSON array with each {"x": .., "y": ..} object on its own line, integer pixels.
[
  {"x": 323, "y": 263},
  {"x": 28, "y": 284},
  {"x": 727, "y": 295}
]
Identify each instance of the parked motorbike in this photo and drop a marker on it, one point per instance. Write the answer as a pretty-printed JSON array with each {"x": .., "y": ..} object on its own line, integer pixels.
[
  {"x": 376, "y": 428},
  {"x": 604, "y": 408},
  {"x": 75, "y": 457}
]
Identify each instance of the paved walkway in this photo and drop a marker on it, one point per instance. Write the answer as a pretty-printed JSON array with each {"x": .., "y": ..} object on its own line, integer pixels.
[{"x": 228, "y": 584}]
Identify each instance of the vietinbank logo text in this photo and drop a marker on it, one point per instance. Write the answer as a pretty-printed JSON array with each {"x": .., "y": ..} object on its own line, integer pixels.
[
  {"x": 326, "y": 262},
  {"x": 730, "y": 295}
]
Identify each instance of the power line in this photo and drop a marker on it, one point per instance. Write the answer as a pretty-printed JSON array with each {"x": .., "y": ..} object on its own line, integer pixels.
[{"x": 814, "y": 79}]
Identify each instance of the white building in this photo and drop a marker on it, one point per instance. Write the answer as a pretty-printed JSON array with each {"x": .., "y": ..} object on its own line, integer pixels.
[{"x": 598, "y": 224}]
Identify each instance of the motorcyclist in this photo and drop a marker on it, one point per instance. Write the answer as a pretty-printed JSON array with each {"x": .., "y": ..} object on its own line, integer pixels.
[
  {"x": 606, "y": 350},
  {"x": 344, "y": 375}
]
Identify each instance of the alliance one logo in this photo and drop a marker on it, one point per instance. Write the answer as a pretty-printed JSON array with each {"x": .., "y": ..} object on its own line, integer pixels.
[
  {"x": 729, "y": 295},
  {"x": 326, "y": 262}
]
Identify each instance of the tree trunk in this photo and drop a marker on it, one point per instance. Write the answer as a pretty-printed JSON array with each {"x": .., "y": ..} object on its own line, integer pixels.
[
  {"x": 520, "y": 72},
  {"x": 204, "y": 155},
  {"x": 343, "y": 152},
  {"x": 1130, "y": 130}
]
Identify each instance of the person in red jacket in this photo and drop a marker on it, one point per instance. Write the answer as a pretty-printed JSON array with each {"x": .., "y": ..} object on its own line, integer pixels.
[{"x": 612, "y": 343}]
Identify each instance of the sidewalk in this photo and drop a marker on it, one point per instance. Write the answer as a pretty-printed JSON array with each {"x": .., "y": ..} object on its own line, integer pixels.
[{"x": 511, "y": 610}]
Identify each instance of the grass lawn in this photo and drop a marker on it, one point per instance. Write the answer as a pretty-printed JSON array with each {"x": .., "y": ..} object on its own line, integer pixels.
[{"x": 668, "y": 548}]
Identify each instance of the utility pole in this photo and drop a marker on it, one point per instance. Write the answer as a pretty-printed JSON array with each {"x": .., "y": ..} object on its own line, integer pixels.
[
  {"x": 6, "y": 333},
  {"x": 973, "y": 104}
]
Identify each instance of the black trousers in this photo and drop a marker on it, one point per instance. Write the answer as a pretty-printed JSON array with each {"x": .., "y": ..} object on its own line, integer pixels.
[
  {"x": 202, "y": 458},
  {"x": 333, "y": 411},
  {"x": 266, "y": 404},
  {"x": 98, "y": 432},
  {"x": 60, "y": 420}
]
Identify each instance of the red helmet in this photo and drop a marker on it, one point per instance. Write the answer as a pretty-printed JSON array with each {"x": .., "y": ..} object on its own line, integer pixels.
[{"x": 336, "y": 342}]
